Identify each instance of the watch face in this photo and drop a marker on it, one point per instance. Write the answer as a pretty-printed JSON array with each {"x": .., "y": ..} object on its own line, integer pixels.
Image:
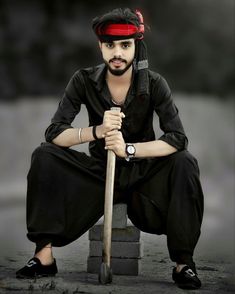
[{"x": 131, "y": 149}]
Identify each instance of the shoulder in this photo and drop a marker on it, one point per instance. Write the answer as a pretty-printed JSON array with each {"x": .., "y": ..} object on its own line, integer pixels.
[
  {"x": 156, "y": 79},
  {"x": 159, "y": 88},
  {"x": 153, "y": 75},
  {"x": 92, "y": 71},
  {"x": 77, "y": 82}
]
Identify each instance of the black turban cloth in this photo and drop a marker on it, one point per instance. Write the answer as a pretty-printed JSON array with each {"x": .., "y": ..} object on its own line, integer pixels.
[{"x": 140, "y": 63}]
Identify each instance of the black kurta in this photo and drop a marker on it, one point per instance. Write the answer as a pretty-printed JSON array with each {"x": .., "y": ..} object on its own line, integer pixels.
[
  {"x": 88, "y": 86},
  {"x": 66, "y": 188}
]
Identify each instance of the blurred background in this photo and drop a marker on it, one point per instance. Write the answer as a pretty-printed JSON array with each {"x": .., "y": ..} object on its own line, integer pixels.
[
  {"x": 44, "y": 42},
  {"x": 190, "y": 42}
]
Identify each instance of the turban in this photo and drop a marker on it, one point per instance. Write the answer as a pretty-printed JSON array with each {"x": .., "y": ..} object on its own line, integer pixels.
[{"x": 121, "y": 24}]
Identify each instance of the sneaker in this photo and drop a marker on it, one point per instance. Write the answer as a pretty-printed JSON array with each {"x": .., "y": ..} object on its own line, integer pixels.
[
  {"x": 186, "y": 278},
  {"x": 34, "y": 268}
]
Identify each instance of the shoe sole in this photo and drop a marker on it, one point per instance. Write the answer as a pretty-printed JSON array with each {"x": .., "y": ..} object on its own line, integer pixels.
[
  {"x": 188, "y": 286},
  {"x": 35, "y": 277}
]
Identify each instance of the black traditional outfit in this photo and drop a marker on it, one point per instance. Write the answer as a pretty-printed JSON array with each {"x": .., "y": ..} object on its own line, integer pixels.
[{"x": 65, "y": 194}]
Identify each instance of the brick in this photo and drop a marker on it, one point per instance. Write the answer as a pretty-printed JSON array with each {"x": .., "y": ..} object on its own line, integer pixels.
[
  {"x": 120, "y": 266},
  {"x": 129, "y": 234},
  {"x": 118, "y": 249},
  {"x": 119, "y": 219},
  {"x": 119, "y": 216}
]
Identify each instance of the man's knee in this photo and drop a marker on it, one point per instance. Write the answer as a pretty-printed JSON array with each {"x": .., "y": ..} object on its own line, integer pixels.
[
  {"x": 145, "y": 215},
  {"x": 43, "y": 155},
  {"x": 43, "y": 149},
  {"x": 186, "y": 160}
]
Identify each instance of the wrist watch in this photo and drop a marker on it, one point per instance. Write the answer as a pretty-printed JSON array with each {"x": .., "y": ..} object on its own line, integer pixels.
[{"x": 130, "y": 151}]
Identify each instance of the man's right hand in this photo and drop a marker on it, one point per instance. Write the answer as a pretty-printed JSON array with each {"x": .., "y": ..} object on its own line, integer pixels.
[{"x": 112, "y": 120}]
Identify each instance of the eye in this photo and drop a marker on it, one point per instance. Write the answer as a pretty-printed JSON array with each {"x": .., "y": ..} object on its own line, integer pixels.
[
  {"x": 109, "y": 45},
  {"x": 126, "y": 45}
]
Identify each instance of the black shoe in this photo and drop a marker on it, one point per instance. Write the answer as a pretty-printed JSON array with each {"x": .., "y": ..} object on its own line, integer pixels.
[
  {"x": 186, "y": 278},
  {"x": 34, "y": 269}
]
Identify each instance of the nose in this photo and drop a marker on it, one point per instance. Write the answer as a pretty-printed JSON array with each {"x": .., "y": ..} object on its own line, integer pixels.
[{"x": 117, "y": 52}]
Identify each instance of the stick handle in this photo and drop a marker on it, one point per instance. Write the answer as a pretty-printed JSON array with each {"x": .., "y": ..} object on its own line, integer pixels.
[{"x": 108, "y": 204}]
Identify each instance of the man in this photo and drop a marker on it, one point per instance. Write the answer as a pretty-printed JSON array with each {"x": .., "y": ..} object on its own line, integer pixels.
[{"x": 157, "y": 178}]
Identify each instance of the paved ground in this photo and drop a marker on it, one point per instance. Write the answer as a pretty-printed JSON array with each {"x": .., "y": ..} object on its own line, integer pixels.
[
  {"x": 209, "y": 125},
  {"x": 215, "y": 271}
]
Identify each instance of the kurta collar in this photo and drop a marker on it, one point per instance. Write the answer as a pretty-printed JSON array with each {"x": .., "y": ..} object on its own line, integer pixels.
[{"x": 98, "y": 76}]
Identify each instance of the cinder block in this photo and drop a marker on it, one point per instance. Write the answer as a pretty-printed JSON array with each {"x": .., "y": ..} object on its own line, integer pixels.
[
  {"x": 118, "y": 249},
  {"x": 120, "y": 266},
  {"x": 119, "y": 219},
  {"x": 128, "y": 234},
  {"x": 126, "y": 250}
]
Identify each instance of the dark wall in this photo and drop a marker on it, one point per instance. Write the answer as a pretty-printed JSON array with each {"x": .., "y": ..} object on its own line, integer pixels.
[{"x": 191, "y": 42}]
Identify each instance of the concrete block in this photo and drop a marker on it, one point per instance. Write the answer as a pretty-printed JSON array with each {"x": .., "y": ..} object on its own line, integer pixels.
[
  {"x": 101, "y": 221},
  {"x": 128, "y": 234},
  {"x": 126, "y": 250},
  {"x": 118, "y": 249},
  {"x": 120, "y": 266},
  {"x": 119, "y": 219}
]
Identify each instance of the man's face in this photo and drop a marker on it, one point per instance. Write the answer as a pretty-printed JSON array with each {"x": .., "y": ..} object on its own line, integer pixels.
[{"x": 118, "y": 55}]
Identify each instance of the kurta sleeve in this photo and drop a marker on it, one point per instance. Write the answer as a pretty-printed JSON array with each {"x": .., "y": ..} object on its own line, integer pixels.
[
  {"x": 68, "y": 108},
  {"x": 167, "y": 112}
]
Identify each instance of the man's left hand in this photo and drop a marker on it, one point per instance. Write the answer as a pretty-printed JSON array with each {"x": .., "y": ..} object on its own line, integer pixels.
[{"x": 114, "y": 141}]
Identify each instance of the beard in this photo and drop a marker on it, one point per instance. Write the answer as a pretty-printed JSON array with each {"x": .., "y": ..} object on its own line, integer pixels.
[{"x": 118, "y": 72}]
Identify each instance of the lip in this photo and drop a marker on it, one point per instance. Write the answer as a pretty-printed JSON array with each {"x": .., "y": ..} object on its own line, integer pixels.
[{"x": 117, "y": 62}]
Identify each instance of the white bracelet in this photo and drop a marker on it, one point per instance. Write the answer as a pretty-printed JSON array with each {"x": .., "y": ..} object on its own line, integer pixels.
[{"x": 79, "y": 135}]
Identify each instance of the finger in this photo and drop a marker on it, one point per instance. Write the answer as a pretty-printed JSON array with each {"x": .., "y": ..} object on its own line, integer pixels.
[
  {"x": 111, "y": 141},
  {"x": 113, "y": 136},
  {"x": 114, "y": 112},
  {"x": 113, "y": 124},
  {"x": 114, "y": 119},
  {"x": 116, "y": 127},
  {"x": 110, "y": 147},
  {"x": 117, "y": 114},
  {"x": 112, "y": 132}
]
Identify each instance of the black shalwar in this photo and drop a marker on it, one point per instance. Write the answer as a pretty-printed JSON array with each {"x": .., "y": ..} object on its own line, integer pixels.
[{"x": 65, "y": 195}]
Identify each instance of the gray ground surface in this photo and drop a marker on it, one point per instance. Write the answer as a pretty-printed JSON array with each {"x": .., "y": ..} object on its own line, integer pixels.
[{"x": 210, "y": 127}]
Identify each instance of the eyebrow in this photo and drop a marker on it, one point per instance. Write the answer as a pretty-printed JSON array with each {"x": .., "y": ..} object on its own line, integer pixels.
[
  {"x": 126, "y": 42},
  {"x": 122, "y": 43}
]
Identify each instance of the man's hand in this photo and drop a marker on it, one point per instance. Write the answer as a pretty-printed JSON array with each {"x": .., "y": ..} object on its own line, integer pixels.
[
  {"x": 114, "y": 141},
  {"x": 112, "y": 120}
]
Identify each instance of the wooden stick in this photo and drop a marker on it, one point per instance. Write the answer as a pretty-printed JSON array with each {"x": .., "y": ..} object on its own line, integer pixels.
[{"x": 108, "y": 205}]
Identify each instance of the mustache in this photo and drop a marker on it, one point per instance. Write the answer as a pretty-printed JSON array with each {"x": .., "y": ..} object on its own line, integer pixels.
[{"x": 119, "y": 59}]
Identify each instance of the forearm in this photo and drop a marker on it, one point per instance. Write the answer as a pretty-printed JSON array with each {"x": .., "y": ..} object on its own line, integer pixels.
[
  {"x": 70, "y": 137},
  {"x": 155, "y": 148}
]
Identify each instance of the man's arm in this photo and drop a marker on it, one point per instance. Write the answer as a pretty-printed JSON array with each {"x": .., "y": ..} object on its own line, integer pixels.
[
  {"x": 60, "y": 131},
  {"x": 170, "y": 122},
  {"x": 173, "y": 139},
  {"x": 114, "y": 141},
  {"x": 68, "y": 108},
  {"x": 154, "y": 149},
  {"x": 69, "y": 137}
]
